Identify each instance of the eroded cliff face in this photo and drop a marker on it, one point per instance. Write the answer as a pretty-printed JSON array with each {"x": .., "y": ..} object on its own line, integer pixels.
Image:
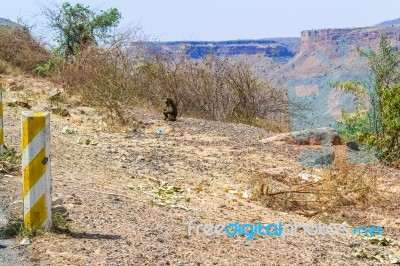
[
  {"x": 280, "y": 49},
  {"x": 335, "y": 50},
  {"x": 325, "y": 57},
  {"x": 316, "y": 52},
  {"x": 315, "y": 39}
]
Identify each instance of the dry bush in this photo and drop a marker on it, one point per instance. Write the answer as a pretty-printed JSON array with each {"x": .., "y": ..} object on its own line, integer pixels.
[
  {"x": 4, "y": 67},
  {"x": 327, "y": 192},
  {"x": 271, "y": 125},
  {"x": 20, "y": 49},
  {"x": 104, "y": 77},
  {"x": 119, "y": 77},
  {"x": 216, "y": 88},
  {"x": 102, "y": 80}
]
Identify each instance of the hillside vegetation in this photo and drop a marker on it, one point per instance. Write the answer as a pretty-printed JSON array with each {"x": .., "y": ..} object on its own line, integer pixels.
[
  {"x": 19, "y": 49},
  {"x": 126, "y": 183}
]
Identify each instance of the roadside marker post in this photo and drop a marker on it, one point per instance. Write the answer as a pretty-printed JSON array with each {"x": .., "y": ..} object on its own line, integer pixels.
[{"x": 36, "y": 175}]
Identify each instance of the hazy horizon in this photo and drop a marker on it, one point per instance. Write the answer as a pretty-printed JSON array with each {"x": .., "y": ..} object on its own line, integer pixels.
[{"x": 221, "y": 20}]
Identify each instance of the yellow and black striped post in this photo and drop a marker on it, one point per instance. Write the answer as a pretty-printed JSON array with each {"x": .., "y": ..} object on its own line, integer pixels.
[
  {"x": 1, "y": 120},
  {"x": 36, "y": 175}
]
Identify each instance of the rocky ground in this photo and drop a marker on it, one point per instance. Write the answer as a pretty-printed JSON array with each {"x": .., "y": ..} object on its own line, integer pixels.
[{"x": 109, "y": 180}]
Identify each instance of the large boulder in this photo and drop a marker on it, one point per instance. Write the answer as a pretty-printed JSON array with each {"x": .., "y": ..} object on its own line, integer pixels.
[{"x": 317, "y": 136}]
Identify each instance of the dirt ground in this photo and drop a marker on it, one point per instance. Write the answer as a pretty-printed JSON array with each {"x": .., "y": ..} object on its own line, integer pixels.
[{"x": 108, "y": 179}]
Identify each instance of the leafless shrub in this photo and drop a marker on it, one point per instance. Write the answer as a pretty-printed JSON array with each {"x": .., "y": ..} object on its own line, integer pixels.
[
  {"x": 104, "y": 77},
  {"x": 329, "y": 192},
  {"x": 214, "y": 87},
  {"x": 4, "y": 67},
  {"x": 20, "y": 49},
  {"x": 124, "y": 73}
]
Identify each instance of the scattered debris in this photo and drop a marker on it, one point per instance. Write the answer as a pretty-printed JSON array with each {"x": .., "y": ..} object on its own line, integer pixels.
[
  {"x": 16, "y": 87},
  {"x": 379, "y": 240},
  {"x": 247, "y": 193},
  {"x": 309, "y": 177},
  {"x": 69, "y": 130},
  {"x": 360, "y": 253},
  {"x": 169, "y": 195},
  {"x": 87, "y": 142}
]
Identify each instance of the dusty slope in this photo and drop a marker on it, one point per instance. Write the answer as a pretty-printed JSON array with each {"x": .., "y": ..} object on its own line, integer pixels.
[{"x": 107, "y": 189}]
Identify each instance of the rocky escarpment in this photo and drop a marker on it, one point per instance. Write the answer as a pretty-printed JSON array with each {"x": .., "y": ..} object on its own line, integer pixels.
[
  {"x": 280, "y": 49},
  {"x": 325, "y": 57},
  {"x": 360, "y": 37}
]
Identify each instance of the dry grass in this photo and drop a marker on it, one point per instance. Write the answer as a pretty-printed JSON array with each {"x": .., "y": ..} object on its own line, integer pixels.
[
  {"x": 214, "y": 88},
  {"x": 268, "y": 124},
  {"x": 20, "y": 49},
  {"x": 101, "y": 80},
  {"x": 5, "y": 68},
  {"x": 10, "y": 161},
  {"x": 325, "y": 192}
]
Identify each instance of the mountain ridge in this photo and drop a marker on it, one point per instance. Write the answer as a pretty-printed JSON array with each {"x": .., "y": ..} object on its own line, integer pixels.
[
  {"x": 389, "y": 22},
  {"x": 6, "y": 22},
  {"x": 279, "y": 49}
]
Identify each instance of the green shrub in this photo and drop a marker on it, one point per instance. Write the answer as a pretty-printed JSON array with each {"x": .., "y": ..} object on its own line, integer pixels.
[{"x": 378, "y": 126}]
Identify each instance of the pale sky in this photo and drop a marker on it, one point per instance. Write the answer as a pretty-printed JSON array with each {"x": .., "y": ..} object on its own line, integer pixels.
[{"x": 216, "y": 20}]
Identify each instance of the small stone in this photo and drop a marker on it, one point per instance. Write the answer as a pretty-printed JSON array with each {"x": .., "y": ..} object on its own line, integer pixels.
[
  {"x": 11, "y": 82},
  {"x": 55, "y": 95},
  {"x": 352, "y": 145},
  {"x": 140, "y": 158},
  {"x": 60, "y": 210},
  {"x": 16, "y": 87},
  {"x": 57, "y": 201},
  {"x": 15, "y": 103},
  {"x": 60, "y": 111},
  {"x": 25, "y": 241}
]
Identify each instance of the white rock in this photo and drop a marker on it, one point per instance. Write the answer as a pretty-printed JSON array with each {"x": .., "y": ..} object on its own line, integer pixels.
[{"x": 25, "y": 241}]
